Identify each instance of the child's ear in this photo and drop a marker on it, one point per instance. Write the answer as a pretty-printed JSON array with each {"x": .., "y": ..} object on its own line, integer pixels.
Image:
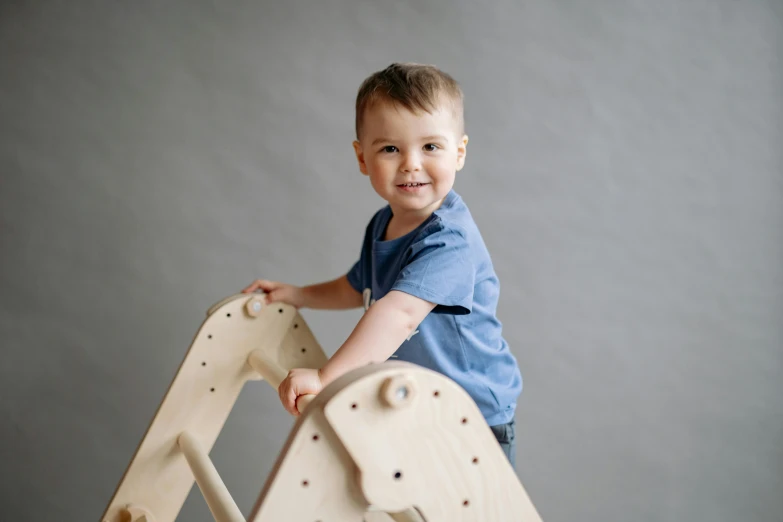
[
  {"x": 357, "y": 148},
  {"x": 462, "y": 150}
]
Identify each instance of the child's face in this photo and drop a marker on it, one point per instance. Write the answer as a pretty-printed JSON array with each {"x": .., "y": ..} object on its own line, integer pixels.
[{"x": 398, "y": 148}]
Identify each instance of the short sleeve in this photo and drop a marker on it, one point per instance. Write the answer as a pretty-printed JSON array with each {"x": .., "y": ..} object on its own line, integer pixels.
[
  {"x": 355, "y": 276},
  {"x": 440, "y": 270}
]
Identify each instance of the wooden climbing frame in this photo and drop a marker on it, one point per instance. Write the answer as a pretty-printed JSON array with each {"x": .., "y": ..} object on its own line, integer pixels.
[{"x": 390, "y": 441}]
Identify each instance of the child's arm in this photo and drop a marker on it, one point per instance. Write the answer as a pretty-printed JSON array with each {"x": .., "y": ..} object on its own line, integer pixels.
[
  {"x": 337, "y": 294},
  {"x": 381, "y": 330},
  {"x": 333, "y": 295}
]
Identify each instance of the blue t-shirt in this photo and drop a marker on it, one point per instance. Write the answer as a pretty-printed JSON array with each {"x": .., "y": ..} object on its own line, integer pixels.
[{"x": 445, "y": 261}]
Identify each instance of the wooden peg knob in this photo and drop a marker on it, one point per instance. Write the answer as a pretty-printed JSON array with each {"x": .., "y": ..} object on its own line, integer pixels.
[
  {"x": 254, "y": 306},
  {"x": 398, "y": 391}
]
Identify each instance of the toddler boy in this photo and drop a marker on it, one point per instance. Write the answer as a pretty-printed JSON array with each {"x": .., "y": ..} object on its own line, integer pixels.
[{"x": 424, "y": 275}]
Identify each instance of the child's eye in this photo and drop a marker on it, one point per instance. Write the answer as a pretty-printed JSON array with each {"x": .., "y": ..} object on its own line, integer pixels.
[
  {"x": 390, "y": 148},
  {"x": 430, "y": 147}
]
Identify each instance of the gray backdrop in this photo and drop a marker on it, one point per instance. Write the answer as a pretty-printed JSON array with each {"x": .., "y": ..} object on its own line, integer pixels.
[{"x": 624, "y": 165}]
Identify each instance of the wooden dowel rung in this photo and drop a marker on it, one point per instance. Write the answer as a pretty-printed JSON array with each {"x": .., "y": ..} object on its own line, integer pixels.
[
  {"x": 219, "y": 500},
  {"x": 274, "y": 375}
]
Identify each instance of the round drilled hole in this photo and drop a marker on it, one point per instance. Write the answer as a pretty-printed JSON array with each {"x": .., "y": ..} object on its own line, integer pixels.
[
  {"x": 436, "y": 393},
  {"x": 228, "y": 315},
  {"x": 475, "y": 460},
  {"x": 315, "y": 437},
  {"x": 280, "y": 310},
  {"x": 203, "y": 363},
  {"x": 304, "y": 350},
  {"x": 209, "y": 336},
  {"x": 398, "y": 475},
  {"x": 354, "y": 406},
  {"x": 296, "y": 325},
  {"x": 305, "y": 483},
  {"x": 465, "y": 503},
  {"x": 212, "y": 389},
  {"x": 464, "y": 420}
]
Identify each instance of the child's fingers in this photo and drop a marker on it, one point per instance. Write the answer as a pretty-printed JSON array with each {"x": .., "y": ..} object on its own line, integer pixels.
[
  {"x": 274, "y": 296},
  {"x": 288, "y": 397},
  {"x": 258, "y": 284}
]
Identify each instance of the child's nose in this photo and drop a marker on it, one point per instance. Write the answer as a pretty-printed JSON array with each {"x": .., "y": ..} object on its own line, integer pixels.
[{"x": 411, "y": 163}]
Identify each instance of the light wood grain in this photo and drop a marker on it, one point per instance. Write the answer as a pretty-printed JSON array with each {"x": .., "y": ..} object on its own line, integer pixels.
[
  {"x": 433, "y": 451},
  {"x": 413, "y": 450},
  {"x": 201, "y": 396},
  {"x": 313, "y": 478}
]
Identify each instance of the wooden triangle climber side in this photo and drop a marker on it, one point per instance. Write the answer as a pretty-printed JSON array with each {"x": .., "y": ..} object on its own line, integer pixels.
[
  {"x": 414, "y": 441},
  {"x": 202, "y": 394}
]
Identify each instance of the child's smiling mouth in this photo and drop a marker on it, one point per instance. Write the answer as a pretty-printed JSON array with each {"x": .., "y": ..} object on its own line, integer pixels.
[{"x": 411, "y": 187}]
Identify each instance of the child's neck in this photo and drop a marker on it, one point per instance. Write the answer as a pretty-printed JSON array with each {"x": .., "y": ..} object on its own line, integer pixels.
[
  {"x": 403, "y": 222},
  {"x": 398, "y": 226}
]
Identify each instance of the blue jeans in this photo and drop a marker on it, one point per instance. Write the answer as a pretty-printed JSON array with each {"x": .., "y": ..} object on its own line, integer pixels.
[{"x": 506, "y": 437}]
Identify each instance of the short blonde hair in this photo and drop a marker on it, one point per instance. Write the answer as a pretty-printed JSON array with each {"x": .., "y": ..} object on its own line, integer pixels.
[{"x": 416, "y": 87}]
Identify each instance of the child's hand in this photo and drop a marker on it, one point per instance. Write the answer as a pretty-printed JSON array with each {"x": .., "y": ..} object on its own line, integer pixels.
[
  {"x": 299, "y": 381},
  {"x": 277, "y": 292}
]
